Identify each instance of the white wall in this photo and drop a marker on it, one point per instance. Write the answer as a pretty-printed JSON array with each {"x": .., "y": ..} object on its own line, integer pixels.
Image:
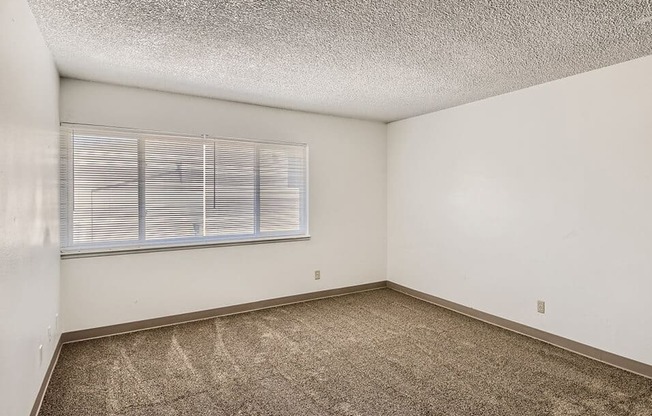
[
  {"x": 543, "y": 193},
  {"x": 347, "y": 213},
  {"x": 29, "y": 234}
]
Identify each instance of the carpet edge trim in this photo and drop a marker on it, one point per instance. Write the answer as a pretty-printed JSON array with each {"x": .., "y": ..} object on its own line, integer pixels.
[
  {"x": 142, "y": 325},
  {"x": 46, "y": 379},
  {"x": 576, "y": 347}
]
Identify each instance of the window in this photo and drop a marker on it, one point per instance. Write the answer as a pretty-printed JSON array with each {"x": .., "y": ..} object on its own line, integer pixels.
[{"x": 126, "y": 190}]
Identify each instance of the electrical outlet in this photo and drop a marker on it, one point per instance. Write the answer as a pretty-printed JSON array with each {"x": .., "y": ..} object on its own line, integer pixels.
[
  {"x": 40, "y": 354},
  {"x": 50, "y": 334},
  {"x": 317, "y": 275},
  {"x": 541, "y": 306}
]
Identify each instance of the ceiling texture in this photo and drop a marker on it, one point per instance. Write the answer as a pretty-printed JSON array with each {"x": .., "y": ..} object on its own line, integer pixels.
[{"x": 373, "y": 59}]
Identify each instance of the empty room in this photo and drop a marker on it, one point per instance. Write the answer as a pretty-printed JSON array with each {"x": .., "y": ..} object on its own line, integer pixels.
[{"x": 278, "y": 207}]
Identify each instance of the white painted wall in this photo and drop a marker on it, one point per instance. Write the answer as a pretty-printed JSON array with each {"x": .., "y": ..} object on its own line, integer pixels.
[
  {"x": 347, "y": 213},
  {"x": 29, "y": 225},
  {"x": 543, "y": 193}
]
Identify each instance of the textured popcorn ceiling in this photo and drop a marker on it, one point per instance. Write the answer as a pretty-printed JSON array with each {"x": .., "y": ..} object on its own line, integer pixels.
[{"x": 382, "y": 60}]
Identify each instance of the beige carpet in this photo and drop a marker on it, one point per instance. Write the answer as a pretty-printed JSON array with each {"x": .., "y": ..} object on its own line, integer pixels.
[{"x": 372, "y": 353}]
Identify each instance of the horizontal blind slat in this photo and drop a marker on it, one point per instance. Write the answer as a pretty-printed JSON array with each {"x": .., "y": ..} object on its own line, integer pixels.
[{"x": 193, "y": 188}]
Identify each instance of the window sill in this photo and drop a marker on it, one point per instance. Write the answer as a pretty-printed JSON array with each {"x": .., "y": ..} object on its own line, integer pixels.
[{"x": 80, "y": 253}]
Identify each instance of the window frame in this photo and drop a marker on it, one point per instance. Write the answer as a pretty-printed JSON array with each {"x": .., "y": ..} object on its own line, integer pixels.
[{"x": 67, "y": 132}]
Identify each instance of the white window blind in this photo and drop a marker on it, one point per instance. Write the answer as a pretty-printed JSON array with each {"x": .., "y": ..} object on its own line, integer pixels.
[{"x": 123, "y": 190}]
